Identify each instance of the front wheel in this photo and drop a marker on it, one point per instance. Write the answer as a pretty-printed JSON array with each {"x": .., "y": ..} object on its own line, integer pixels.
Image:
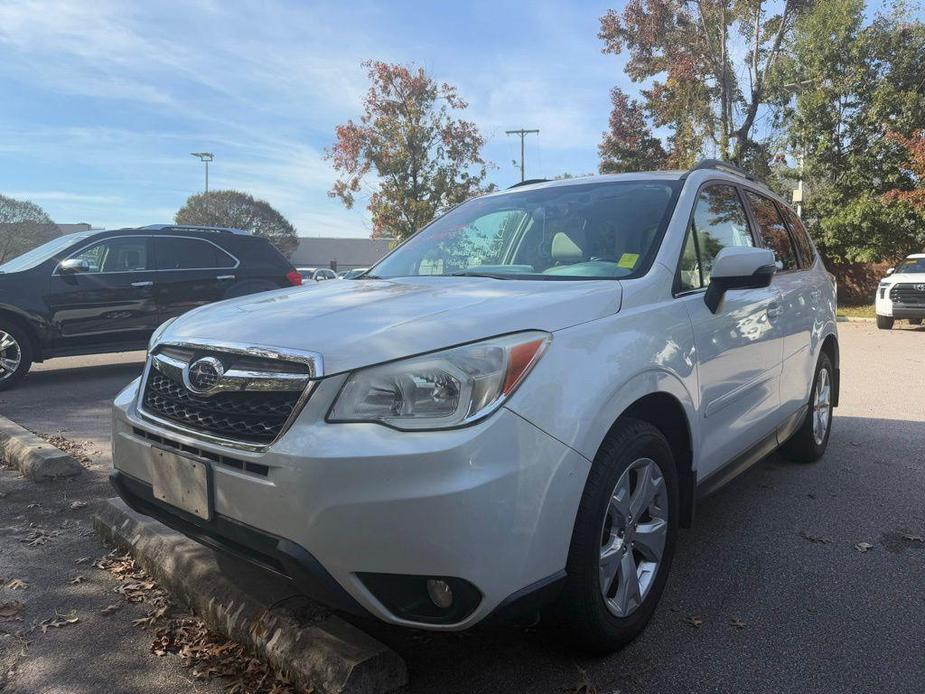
[
  {"x": 15, "y": 354},
  {"x": 884, "y": 322},
  {"x": 812, "y": 438},
  {"x": 624, "y": 539}
]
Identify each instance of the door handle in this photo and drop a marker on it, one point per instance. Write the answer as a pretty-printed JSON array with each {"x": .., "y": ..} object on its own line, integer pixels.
[
  {"x": 139, "y": 285},
  {"x": 774, "y": 310},
  {"x": 221, "y": 278}
]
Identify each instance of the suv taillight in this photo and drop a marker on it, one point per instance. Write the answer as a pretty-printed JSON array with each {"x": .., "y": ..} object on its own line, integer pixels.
[{"x": 294, "y": 277}]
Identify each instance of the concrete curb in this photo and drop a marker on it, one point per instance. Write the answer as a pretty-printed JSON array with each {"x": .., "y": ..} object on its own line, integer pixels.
[
  {"x": 249, "y": 605},
  {"x": 35, "y": 458}
]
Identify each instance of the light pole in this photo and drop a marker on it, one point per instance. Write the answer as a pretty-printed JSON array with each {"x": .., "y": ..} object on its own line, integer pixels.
[
  {"x": 521, "y": 132},
  {"x": 205, "y": 158}
]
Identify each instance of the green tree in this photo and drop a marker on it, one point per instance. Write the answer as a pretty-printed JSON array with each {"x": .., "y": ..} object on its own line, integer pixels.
[
  {"x": 683, "y": 51},
  {"x": 423, "y": 159},
  {"x": 23, "y": 226},
  {"x": 232, "y": 208},
  {"x": 859, "y": 101}
]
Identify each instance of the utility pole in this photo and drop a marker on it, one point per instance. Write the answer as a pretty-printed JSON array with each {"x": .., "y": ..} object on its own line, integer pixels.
[{"x": 522, "y": 133}]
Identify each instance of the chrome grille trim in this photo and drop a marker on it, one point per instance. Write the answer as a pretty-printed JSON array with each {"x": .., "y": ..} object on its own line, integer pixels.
[{"x": 241, "y": 380}]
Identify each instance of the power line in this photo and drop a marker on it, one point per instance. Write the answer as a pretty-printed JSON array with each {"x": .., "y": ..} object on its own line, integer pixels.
[{"x": 522, "y": 133}]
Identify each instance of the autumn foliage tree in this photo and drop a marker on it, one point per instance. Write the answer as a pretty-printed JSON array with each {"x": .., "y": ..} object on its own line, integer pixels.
[
  {"x": 684, "y": 51},
  {"x": 237, "y": 210},
  {"x": 422, "y": 159},
  {"x": 915, "y": 164},
  {"x": 628, "y": 144}
]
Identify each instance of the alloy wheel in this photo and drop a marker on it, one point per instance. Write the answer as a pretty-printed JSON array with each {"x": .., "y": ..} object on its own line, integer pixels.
[
  {"x": 633, "y": 537},
  {"x": 10, "y": 355},
  {"x": 822, "y": 406}
]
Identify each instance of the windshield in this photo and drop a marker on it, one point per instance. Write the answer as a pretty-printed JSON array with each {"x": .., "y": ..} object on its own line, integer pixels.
[
  {"x": 911, "y": 266},
  {"x": 604, "y": 230},
  {"x": 40, "y": 254}
]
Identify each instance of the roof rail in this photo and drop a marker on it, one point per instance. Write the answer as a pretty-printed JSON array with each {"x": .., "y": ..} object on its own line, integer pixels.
[
  {"x": 196, "y": 227},
  {"x": 529, "y": 181},
  {"x": 725, "y": 166}
]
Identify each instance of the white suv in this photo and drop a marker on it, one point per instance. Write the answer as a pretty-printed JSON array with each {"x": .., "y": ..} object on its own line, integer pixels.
[
  {"x": 520, "y": 405},
  {"x": 902, "y": 293}
]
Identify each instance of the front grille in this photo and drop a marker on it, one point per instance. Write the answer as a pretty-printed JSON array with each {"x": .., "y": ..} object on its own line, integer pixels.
[
  {"x": 248, "y": 411},
  {"x": 908, "y": 294}
]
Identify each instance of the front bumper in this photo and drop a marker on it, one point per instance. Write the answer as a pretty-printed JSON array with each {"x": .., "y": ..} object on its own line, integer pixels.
[{"x": 492, "y": 504}]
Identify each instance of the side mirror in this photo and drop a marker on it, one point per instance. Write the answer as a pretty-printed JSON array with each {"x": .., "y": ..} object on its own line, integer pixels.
[
  {"x": 890, "y": 271},
  {"x": 739, "y": 267},
  {"x": 73, "y": 265}
]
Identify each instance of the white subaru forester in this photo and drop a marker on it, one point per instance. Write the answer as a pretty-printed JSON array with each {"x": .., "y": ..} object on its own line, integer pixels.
[{"x": 517, "y": 407}]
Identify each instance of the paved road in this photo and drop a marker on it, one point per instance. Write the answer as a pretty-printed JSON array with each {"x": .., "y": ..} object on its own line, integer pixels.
[{"x": 774, "y": 550}]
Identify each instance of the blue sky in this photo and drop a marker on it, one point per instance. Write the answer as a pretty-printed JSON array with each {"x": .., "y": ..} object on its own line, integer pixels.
[{"x": 102, "y": 102}]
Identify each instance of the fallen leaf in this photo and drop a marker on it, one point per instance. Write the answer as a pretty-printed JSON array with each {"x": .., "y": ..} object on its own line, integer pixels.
[
  {"x": 695, "y": 621},
  {"x": 913, "y": 538},
  {"x": 737, "y": 623},
  {"x": 109, "y": 609},
  {"x": 11, "y": 610},
  {"x": 82, "y": 560},
  {"x": 813, "y": 538},
  {"x": 76, "y": 580},
  {"x": 77, "y": 505},
  {"x": 863, "y": 546},
  {"x": 17, "y": 584},
  {"x": 59, "y": 620}
]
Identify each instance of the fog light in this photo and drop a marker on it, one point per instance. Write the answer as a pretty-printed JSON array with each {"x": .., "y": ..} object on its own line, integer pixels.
[{"x": 440, "y": 593}]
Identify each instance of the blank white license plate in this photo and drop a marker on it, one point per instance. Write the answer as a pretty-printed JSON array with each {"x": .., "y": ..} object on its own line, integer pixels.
[{"x": 181, "y": 482}]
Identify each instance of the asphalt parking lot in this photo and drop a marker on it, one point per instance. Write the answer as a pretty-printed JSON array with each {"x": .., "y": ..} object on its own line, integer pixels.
[{"x": 770, "y": 591}]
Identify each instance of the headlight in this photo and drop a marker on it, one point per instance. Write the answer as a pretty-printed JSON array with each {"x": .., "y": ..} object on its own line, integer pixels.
[
  {"x": 158, "y": 331},
  {"x": 443, "y": 389}
]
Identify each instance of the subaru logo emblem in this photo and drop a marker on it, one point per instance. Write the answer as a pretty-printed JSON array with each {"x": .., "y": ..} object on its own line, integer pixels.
[
  {"x": 202, "y": 375},
  {"x": 920, "y": 287}
]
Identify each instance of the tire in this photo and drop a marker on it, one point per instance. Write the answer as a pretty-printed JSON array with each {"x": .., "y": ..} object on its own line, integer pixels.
[
  {"x": 805, "y": 446},
  {"x": 249, "y": 287},
  {"x": 915, "y": 321},
  {"x": 15, "y": 354},
  {"x": 596, "y": 625},
  {"x": 884, "y": 322}
]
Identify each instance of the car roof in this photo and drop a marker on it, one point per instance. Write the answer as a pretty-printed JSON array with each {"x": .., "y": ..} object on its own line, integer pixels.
[
  {"x": 196, "y": 227},
  {"x": 673, "y": 175}
]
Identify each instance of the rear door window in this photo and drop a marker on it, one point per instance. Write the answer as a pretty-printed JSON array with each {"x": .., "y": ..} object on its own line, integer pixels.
[
  {"x": 804, "y": 246},
  {"x": 719, "y": 221},
  {"x": 190, "y": 254},
  {"x": 773, "y": 231}
]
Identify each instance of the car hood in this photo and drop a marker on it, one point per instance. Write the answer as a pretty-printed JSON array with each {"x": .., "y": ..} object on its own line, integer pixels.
[
  {"x": 354, "y": 323},
  {"x": 912, "y": 278}
]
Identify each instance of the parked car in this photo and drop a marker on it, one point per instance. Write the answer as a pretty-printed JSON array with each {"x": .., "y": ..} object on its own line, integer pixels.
[
  {"x": 106, "y": 291},
  {"x": 901, "y": 294},
  {"x": 310, "y": 274},
  {"x": 353, "y": 274},
  {"x": 519, "y": 405}
]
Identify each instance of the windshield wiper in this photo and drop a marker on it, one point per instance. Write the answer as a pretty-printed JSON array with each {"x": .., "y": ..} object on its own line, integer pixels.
[{"x": 492, "y": 275}]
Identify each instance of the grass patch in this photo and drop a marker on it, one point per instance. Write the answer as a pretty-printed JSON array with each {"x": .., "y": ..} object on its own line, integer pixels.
[{"x": 856, "y": 311}]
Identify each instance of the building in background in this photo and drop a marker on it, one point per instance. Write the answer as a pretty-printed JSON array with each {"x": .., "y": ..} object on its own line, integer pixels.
[
  {"x": 73, "y": 228},
  {"x": 340, "y": 253}
]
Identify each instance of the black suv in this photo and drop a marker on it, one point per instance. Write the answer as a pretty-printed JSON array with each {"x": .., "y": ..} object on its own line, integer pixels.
[{"x": 106, "y": 291}]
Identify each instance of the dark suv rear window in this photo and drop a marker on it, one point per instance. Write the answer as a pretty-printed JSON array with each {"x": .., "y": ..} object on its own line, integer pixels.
[{"x": 189, "y": 254}]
